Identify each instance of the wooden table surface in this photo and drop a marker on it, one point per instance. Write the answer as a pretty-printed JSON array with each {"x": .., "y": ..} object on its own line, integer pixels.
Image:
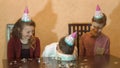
[{"x": 86, "y": 62}]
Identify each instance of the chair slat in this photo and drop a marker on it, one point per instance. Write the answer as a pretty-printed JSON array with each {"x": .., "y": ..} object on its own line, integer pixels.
[{"x": 81, "y": 28}]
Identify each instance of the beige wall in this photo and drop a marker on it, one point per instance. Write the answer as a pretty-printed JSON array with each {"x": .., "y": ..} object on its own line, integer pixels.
[{"x": 53, "y": 16}]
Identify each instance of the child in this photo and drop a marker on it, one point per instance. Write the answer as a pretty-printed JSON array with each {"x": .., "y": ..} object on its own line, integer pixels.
[
  {"x": 95, "y": 42},
  {"x": 64, "y": 49},
  {"x": 23, "y": 43}
]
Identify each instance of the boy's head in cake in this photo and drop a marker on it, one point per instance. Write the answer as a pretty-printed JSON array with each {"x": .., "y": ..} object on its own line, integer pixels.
[
  {"x": 66, "y": 44},
  {"x": 66, "y": 47},
  {"x": 98, "y": 21}
]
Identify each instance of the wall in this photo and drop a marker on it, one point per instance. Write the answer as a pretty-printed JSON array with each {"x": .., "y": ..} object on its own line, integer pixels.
[{"x": 53, "y": 16}]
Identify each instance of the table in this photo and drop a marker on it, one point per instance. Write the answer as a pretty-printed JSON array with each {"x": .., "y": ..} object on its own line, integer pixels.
[{"x": 83, "y": 62}]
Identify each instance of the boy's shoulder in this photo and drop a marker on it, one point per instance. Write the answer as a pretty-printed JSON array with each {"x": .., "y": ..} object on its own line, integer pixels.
[
  {"x": 52, "y": 45},
  {"x": 88, "y": 34}
]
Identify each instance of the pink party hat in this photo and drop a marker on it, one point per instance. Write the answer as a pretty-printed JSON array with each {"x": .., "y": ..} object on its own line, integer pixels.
[
  {"x": 25, "y": 16},
  {"x": 97, "y": 8},
  {"x": 26, "y": 10},
  {"x": 70, "y": 38},
  {"x": 98, "y": 12},
  {"x": 74, "y": 34}
]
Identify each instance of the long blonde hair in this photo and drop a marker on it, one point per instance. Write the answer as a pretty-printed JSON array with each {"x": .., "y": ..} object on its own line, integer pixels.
[{"x": 32, "y": 42}]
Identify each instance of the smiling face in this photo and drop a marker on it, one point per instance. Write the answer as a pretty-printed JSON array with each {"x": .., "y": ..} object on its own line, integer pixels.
[
  {"x": 27, "y": 32},
  {"x": 98, "y": 24},
  {"x": 96, "y": 29}
]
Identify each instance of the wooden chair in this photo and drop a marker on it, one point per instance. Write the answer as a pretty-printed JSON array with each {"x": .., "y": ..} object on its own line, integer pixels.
[{"x": 80, "y": 28}]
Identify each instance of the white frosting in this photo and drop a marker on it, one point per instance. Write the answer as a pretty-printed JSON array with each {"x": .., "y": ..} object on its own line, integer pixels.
[{"x": 66, "y": 57}]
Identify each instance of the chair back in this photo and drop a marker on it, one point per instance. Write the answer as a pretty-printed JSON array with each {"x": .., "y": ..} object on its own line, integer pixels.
[{"x": 80, "y": 28}]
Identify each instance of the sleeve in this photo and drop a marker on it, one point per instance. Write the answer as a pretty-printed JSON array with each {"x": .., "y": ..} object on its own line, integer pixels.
[
  {"x": 46, "y": 52},
  {"x": 10, "y": 49},
  {"x": 81, "y": 47},
  {"x": 37, "y": 49},
  {"x": 50, "y": 50},
  {"x": 107, "y": 50}
]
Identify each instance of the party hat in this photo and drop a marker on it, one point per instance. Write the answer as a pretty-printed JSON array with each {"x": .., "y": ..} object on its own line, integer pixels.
[
  {"x": 70, "y": 38},
  {"x": 25, "y": 16},
  {"x": 98, "y": 12}
]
